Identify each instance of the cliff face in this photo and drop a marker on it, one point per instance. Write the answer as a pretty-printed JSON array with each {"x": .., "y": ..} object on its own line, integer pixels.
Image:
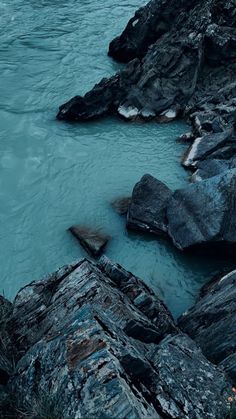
[{"x": 94, "y": 341}]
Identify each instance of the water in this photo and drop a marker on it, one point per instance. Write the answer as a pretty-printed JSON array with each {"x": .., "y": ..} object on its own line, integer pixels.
[{"x": 55, "y": 174}]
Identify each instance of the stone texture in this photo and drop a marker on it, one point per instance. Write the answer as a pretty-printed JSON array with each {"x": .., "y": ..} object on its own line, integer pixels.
[
  {"x": 203, "y": 214},
  {"x": 93, "y": 341},
  {"x": 211, "y": 322},
  {"x": 147, "y": 211}
]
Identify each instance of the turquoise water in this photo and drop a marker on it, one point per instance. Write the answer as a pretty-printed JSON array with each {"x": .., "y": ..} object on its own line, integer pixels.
[{"x": 53, "y": 174}]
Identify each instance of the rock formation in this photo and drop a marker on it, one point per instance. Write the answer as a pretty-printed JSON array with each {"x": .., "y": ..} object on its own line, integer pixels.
[
  {"x": 200, "y": 215},
  {"x": 93, "y": 341},
  {"x": 211, "y": 322}
]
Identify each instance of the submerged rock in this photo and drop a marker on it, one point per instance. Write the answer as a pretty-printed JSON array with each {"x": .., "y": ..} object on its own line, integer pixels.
[
  {"x": 94, "y": 242},
  {"x": 121, "y": 205},
  {"x": 147, "y": 211},
  {"x": 211, "y": 322},
  {"x": 93, "y": 341}
]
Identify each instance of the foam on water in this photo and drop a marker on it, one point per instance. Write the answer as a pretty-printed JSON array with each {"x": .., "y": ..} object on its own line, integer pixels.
[{"x": 55, "y": 174}]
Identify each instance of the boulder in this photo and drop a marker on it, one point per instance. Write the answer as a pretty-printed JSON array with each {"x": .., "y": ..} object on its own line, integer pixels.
[
  {"x": 211, "y": 322},
  {"x": 94, "y": 341},
  {"x": 147, "y": 211},
  {"x": 199, "y": 216},
  {"x": 93, "y": 241},
  {"x": 203, "y": 214}
]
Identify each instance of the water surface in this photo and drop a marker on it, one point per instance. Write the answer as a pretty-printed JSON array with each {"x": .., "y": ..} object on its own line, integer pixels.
[{"x": 53, "y": 174}]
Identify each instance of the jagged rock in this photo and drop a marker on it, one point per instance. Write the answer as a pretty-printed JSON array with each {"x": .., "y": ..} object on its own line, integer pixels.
[
  {"x": 212, "y": 146},
  {"x": 121, "y": 205},
  {"x": 183, "y": 58},
  {"x": 147, "y": 211},
  {"x": 212, "y": 167},
  {"x": 211, "y": 322},
  {"x": 94, "y": 242},
  {"x": 203, "y": 214},
  {"x": 90, "y": 344}
]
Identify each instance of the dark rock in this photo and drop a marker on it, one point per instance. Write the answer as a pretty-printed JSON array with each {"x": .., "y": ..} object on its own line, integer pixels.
[
  {"x": 212, "y": 146},
  {"x": 77, "y": 357},
  {"x": 121, "y": 205},
  {"x": 148, "y": 24},
  {"x": 183, "y": 58},
  {"x": 141, "y": 296},
  {"x": 212, "y": 167},
  {"x": 5, "y": 355},
  {"x": 184, "y": 378},
  {"x": 203, "y": 214},
  {"x": 147, "y": 211},
  {"x": 211, "y": 322},
  {"x": 94, "y": 242}
]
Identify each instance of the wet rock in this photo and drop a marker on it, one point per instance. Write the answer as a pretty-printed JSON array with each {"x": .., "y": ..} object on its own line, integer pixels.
[
  {"x": 199, "y": 216},
  {"x": 203, "y": 214},
  {"x": 94, "y": 242},
  {"x": 121, "y": 205},
  {"x": 184, "y": 378},
  {"x": 212, "y": 167},
  {"x": 80, "y": 353},
  {"x": 181, "y": 58},
  {"x": 211, "y": 322},
  {"x": 147, "y": 211},
  {"x": 212, "y": 146}
]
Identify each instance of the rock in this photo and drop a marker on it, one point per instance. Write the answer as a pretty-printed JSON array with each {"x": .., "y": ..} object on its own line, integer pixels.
[
  {"x": 181, "y": 58},
  {"x": 211, "y": 322},
  {"x": 184, "y": 378},
  {"x": 89, "y": 340},
  {"x": 5, "y": 357},
  {"x": 94, "y": 242},
  {"x": 212, "y": 167},
  {"x": 147, "y": 211},
  {"x": 212, "y": 146},
  {"x": 199, "y": 216},
  {"x": 203, "y": 214},
  {"x": 121, "y": 205},
  {"x": 188, "y": 136},
  {"x": 168, "y": 115}
]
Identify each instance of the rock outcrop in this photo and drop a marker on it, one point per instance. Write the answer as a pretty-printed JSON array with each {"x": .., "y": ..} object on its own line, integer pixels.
[
  {"x": 93, "y": 341},
  {"x": 182, "y": 59},
  {"x": 211, "y": 322},
  {"x": 202, "y": 215}
]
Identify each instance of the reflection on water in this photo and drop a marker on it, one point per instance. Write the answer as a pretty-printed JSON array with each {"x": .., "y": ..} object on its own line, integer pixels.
[{"x": 55, "y": 174}]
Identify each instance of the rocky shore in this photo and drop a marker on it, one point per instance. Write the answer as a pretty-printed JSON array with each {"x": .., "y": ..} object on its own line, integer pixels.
[{"x": 92, "y": 340}]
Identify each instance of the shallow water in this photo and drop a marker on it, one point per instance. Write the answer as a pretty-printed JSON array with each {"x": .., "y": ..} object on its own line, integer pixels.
[{"x": 53, "y": 174}]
